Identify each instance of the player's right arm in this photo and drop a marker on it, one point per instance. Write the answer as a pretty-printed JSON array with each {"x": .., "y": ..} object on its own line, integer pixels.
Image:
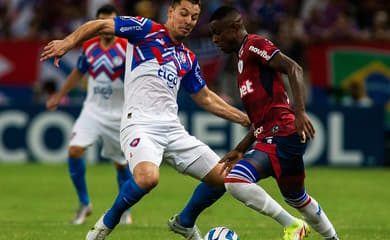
[
  {"x": 57, "y": 48},
  {"x": 71, "y": 82},
  {"x": 236, "y": 153}
]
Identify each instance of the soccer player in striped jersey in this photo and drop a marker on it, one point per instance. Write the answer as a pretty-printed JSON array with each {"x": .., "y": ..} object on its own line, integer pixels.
[
  {"x": 103, "y": 59},
  {"x": 280, "y": 132},
  {"x": 157, "y": 64}
]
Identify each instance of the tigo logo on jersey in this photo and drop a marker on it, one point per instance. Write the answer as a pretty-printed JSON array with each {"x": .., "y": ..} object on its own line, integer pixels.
[
  {"x": 106, "y": 92},
  {"x": 261, "y": 53},
  {"x": 168, "y": 75},
  {"x": 135, "y": 142}
]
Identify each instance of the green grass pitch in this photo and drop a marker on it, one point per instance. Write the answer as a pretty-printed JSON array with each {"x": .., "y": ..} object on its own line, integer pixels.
[{"x": 38, "y": 201}]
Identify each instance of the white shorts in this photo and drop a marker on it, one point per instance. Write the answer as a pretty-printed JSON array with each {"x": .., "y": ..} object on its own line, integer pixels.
[
  {"x": 171, "y": 143},
  {"x": 88, "y": 129}
]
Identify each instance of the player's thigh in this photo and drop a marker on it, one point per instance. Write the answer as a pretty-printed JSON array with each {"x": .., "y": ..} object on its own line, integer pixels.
[
  {"x": 189, "y": 155},
  {"x": 142, "y": 144},
  {"x": 111, "y": 147},
  {"x": 85, "y": 131}
]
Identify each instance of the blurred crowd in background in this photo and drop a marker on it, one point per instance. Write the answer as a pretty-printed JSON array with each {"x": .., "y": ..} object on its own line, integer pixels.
[{"x": 291, "y": 24}]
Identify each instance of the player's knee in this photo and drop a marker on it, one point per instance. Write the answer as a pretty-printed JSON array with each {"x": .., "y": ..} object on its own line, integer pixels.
[
  {"x": 146, "y": 183},
  {"x": 76, "y": 151},
  {"x": 146, "y": 175},
  {"x": 297, "y": 200}
]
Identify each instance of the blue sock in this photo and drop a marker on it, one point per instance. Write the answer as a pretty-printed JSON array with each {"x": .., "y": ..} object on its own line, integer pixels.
[
  {"x": 76, "y": 169},
  {"x": 129, "y": 194},
  {"x": 203, "y": 197},
  {"x": 122, "y": 175}
]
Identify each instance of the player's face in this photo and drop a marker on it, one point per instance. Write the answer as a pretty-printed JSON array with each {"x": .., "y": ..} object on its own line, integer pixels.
[
  {"x": 107, "y": 16},
  {"x": 182, "y": 18},
  {"x": 224, "y": 35}
]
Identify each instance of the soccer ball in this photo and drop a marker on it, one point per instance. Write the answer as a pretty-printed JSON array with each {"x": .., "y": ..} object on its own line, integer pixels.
[{"x": 221, "y": 233}]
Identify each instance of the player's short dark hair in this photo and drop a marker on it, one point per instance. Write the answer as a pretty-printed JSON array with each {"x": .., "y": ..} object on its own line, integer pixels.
[
  {"x": 174, "y": 3},
  {"x": 223, "y": 12},
  {"x": 107, "y": 9}
]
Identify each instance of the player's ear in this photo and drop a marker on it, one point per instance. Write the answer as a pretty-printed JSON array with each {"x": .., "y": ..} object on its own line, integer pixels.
[{"x": 170, "y": 11}]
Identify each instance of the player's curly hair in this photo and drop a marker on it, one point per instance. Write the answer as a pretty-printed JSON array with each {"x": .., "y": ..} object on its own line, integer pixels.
[
  {"x": 223, "y": 12},
  {"x": 174, "y": 3}
]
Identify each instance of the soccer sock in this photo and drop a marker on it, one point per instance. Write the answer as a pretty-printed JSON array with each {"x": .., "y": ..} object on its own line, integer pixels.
[
  {"x": 122, "y": 175},
  {"x": 129, "y": 194},
  {"x": 312, "y": 213},
  {"x": 240, "y": 182},
  {"x": 203, "y": 197},
  {"x": 76, "y": 169}
]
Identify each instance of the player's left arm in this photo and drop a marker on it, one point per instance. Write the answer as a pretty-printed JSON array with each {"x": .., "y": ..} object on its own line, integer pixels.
[
  {"x": 284, "y": 64},
  {"x": 211, "y": 102}
]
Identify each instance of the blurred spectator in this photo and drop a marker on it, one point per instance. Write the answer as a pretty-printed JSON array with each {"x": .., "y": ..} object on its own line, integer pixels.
[
  {"x": 291, "y": 37},
  {"x": 380, "y": 29},
  {"x": 146, "y": 9},
  {"x": 356, "y": 96},
  {"x": 47, "y": 89}
]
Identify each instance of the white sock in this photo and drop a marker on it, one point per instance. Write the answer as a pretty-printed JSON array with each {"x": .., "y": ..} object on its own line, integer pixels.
[
  {"x": 317, "y": 219},
  {"x": 256, "y": 198}
]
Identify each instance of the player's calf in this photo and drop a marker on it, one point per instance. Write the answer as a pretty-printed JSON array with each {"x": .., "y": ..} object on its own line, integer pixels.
[{"x": 312, "y": 213}]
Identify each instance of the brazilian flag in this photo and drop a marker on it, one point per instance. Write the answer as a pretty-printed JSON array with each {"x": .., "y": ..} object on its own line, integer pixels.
[{"x": 368, "y": 67}]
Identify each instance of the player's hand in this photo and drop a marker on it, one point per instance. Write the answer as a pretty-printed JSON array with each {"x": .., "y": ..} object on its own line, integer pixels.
[
  {"x": 230, "y": 159},
  {"x": 55, "y": 48},
  {"x": 53, "y": 102},
  {"x": 245, "y": 121},
  {"x": 304, "y": 126}
]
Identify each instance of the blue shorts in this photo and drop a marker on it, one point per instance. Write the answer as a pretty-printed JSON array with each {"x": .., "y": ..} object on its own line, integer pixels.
[{"x": 280, "y": 157}]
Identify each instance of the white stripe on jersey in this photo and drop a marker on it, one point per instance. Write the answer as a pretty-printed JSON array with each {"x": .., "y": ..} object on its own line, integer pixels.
[
  {"x": 189, "y": 58},
  {"x": 154, "y": 33},
  {"x": 120, "y": 49},
  {"x": 140, "y": 53},
  {"x": 90, "y": 48}
]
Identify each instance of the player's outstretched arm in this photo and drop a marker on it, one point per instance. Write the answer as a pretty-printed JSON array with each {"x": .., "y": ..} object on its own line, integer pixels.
[
  {"x": 72, "y": 80},
  {"x": 211, "y": 102},
  {"x": 58, "y": 48},
  {"x": 284, "y": 64},
  {"x": 236, "y": 153}
]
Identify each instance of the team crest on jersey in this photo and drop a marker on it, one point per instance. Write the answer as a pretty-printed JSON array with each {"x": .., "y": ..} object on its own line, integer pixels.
[
  {"x": 183, "y": 58},
  {"x": 117, "y": 61},
  {"x": 135, "y": 142},
  {"x": 240, "y": 66}
]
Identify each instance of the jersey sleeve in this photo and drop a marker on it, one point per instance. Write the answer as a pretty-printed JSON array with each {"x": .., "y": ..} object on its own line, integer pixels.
[
  {"x": 134, "y": 29},
  {"x": 193, "y": 81},
  {"x": 262, "y": 49},
  {"x": 82, "y": 63}
]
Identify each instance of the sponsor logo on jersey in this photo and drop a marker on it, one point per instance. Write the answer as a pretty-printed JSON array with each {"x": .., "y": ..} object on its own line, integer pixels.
[
  {"x": 261, "y": 53},
  {"x": 245, "y": 88},
  {"x": 240, "y": 66},
  {"x": 130, "y": 28},
  {"x": 135, "y": 142},
  {"x": 106, "y": 92},
  {"x": 168, "y": 75}
]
